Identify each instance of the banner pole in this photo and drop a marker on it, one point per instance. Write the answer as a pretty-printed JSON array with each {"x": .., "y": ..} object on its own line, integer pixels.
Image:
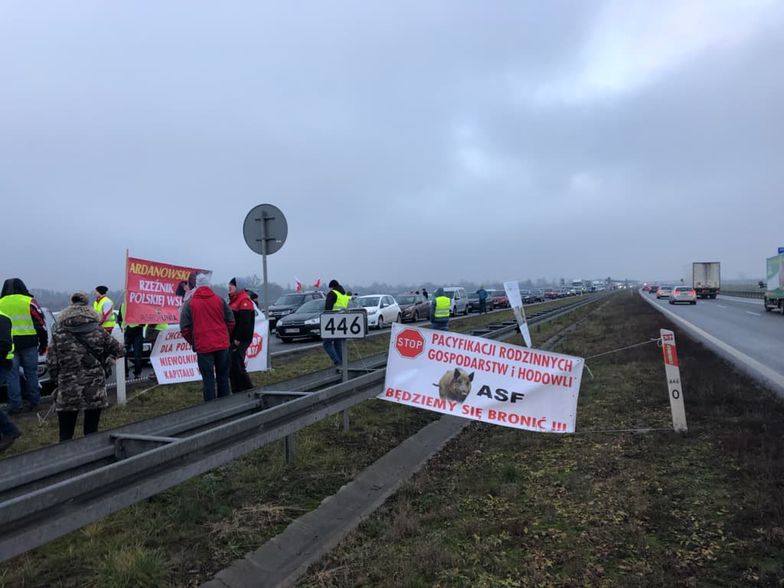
[{"x": 119, "y": 364}]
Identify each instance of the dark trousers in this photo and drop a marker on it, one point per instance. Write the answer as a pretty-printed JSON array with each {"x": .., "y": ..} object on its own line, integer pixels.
[
  {"x": 67, "y": 421},
  {"x": 238, "y": 375},
  {"x": 439, "y": 324},
  {"x": 134, "y": 340},
  {"x": 482, "y": 306},
  {"x": 214, "y": 366}
]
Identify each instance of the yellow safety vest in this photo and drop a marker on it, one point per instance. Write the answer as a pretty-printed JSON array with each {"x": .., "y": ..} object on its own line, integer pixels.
[
  {"x": 122, "y": 311},
  {"x": 443, "y": 304},
  {"x": 10, "y": 353},
  {"x": 341, "y": 301},
  {"x": 17, "y": 308},
  {"x": 110, "y": 322}
]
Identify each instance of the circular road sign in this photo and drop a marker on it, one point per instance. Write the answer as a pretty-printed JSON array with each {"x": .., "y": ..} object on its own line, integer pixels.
[
  {"x": 410, "y": 343},
  {"x": 265, "y": 223}
]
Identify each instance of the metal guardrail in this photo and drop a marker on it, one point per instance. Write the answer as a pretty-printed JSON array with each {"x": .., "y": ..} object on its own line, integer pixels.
[
  {"x": 53, "y": 491},
  {"x": 760, "y": 294}
]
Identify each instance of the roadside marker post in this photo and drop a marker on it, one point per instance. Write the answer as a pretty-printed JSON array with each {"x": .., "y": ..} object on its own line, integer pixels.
[
  {"x": 674, "y": 384},
  {"x": 119, "y": 375}
]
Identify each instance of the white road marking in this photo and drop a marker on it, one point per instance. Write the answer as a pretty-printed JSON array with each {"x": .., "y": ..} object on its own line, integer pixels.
[
  {"x": 753, "y": 313},
  {"x": 721, "y": 306}
]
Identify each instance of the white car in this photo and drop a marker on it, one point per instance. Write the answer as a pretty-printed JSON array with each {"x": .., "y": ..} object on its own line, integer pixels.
[
  {"x": 683, "y": 294},
  {"x": 382, "y": 309}
]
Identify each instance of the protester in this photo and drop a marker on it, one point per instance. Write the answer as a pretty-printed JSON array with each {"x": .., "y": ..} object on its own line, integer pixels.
[
  {"x": 133, "y": 336},
  {"x": 482, "y": 293},
  {"x": 206, "y": 322},
  {"x": 104, "y": 308},
  {"x": 337, "y": 299},
  {"x": 185, "y": 288},
  {"x": 77, "y": 362},
  {"x": 30, "y": 339},
  {"x": 8, "y": 431},
  {"x": 424, "y": 293},
  {"x": 244, "y": 323},
  {"x": 439, "y": 311}
]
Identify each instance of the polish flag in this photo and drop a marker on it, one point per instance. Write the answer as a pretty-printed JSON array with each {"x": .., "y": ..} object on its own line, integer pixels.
[
  {"x": 299, "y": 285},
  {"x": 317, "y": 283}
]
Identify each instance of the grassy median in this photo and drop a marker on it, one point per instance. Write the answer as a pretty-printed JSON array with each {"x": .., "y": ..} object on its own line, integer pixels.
[{"x": 606, "y": 506}]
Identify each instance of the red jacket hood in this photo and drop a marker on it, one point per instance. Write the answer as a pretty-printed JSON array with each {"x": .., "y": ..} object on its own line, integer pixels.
[{"x": 240, "y": 301}]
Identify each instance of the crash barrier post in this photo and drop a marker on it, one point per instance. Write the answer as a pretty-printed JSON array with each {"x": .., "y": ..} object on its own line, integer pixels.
[{"x": 674, "y": 386}]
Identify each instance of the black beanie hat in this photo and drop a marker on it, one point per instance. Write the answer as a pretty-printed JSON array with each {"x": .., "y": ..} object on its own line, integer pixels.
[
  {"x": 233, "y": 282},
  {"x": 333, "y": 284},
  {"x": 102, "y": 290}
]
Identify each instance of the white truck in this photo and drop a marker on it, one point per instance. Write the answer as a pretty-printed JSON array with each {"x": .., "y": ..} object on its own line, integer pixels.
[
  {"x": 774, "y": 293},
  {"x": 706, "y": 278}
]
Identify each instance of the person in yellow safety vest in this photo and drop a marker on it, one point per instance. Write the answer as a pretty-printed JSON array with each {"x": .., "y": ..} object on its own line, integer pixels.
[
  {"x": 28, "y": 329},
  {"x": 337, "y": 299},
  {"x": 133, "y": 337},
  {"x": 439, "y": 311},
  {"x": 8, "y": 430},
  {"x": 104, "y": 307}
]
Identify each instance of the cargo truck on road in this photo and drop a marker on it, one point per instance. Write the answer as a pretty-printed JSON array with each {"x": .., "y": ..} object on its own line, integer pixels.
[
  {"x": 706, "y": 278},
  {"x": 774, "y": 293}
]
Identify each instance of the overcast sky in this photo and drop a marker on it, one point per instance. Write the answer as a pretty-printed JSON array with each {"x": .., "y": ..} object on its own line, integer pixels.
[{"x": 405, "y": 141}]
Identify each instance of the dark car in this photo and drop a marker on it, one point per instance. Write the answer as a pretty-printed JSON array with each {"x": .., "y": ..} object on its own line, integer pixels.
[
  {"x": 304, "y": 322},
  {"x": 288, "y": 303},
  {"x": 473, "y": 302},
  {"x": 550, "y": 294},
  {"x": 413, "y": 307}
]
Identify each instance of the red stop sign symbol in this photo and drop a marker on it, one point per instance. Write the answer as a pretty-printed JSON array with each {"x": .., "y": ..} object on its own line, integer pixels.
[
  {"x": 410, "y": 343},
  {"x": 255, "y": 347}
]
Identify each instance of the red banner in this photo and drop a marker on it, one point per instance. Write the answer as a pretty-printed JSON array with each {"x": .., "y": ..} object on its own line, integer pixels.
[{"x": 155, "y": 291}]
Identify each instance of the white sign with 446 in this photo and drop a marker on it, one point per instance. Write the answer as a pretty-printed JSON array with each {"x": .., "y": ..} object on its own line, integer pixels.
[{"x": 348, "y": 324}]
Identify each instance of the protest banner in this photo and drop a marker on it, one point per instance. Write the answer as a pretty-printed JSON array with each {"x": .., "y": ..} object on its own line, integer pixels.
[
  {"x": 174, "y": 360},
  {"x": 154, "y": 291},
  {"x": 512, "y": 290},
  {"x": 481, "y": 379}
]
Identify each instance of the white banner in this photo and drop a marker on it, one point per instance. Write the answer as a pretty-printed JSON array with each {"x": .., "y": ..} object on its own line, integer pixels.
[
  {"x": 516, "y": 302},
  {"x": 174, "y": 360},
  {"x": 481, "y": 379}
]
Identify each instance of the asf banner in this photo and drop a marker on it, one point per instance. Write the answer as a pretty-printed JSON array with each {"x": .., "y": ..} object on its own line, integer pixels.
[
  {"x": 484, "y": 380},
  {"x": 155, "y": 291},
  {"x": 174, "y": 360}
]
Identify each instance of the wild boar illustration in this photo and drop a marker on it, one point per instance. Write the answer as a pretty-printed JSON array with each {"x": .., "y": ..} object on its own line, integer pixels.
[{"x": 455, "y": 385}]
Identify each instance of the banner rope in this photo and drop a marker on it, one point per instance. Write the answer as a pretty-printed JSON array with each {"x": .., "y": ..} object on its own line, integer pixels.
[{"x": 624, "y": 348}]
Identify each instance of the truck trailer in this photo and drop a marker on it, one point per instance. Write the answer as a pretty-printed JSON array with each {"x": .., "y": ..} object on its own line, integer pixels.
[
  {"x": 774, "y": 293},
  {"x": 706, "y": 278}
]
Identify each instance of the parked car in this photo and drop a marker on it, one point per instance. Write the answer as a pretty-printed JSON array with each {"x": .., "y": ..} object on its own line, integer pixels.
[
  {"x": 663, "y": 292},
  {"x": 498, "y": 298},
  {"x": 304, "y": 322},
  {"x": 459, "y": 300},
  {"x": 288, "y": 303},
  {"x": 382, "y": 310},
  {"x": 683, "y": 294},
  {"x": 473, "y": 302},
  {"x": 550, "y": 294},
  {"x": 413, "y": 307}
]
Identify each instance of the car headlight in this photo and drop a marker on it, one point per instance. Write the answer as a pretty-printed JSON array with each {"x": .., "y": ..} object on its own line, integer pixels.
[
  {"x": 372, "y": 311},
  {"x": 313, "y": 321}
]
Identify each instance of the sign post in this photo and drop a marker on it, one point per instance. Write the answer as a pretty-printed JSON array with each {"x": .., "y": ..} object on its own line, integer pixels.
[
  {"x": 516, "y": 302},
  {"x": 265, "y": 230},
  {"x": 673, "y": 373},
  {"x": 344, "y": 325}
]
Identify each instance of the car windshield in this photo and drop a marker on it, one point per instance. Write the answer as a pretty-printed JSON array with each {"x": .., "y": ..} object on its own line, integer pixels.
[
  {"x": 450, "y": 293},
  {"x": 290, "y": 299},
  {"x": 473, "y": 296},
  {"x": 312, "y": 306},
  {"x": 368, "y": 301},
  {"x": 406, "y": 299},
  {"x": 682, "y": 289}
]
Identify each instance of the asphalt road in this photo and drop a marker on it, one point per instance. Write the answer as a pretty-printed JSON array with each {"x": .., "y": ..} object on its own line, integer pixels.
[{"x": 740, "y": 323}]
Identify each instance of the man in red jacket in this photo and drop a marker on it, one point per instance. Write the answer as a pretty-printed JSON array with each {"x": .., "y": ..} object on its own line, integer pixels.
[{"x": 206, "y": 322}]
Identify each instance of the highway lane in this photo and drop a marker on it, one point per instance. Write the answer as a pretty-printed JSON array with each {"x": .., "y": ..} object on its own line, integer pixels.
[{"x": 740, "y": 323}]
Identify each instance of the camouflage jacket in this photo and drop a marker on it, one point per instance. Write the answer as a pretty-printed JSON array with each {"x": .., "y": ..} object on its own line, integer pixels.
[{"x": 78, "y": 373}]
